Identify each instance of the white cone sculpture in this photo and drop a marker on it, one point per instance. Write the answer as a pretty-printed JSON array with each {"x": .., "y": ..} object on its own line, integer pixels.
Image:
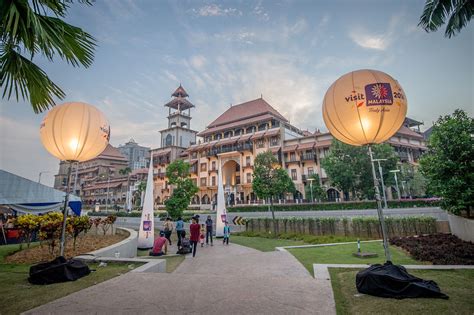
[
  {"x": 147, "y": 225},
  {"x": 221, "y": 214}
]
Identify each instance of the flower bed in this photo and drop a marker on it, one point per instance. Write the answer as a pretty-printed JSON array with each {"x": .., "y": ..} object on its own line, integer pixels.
[
  {"x": 356, "y": 205},
  {"x": 440, "y": 249}
]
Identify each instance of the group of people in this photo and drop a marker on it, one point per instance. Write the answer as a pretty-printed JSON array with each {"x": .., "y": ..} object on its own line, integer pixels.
[{"x": 198, "y": 234}]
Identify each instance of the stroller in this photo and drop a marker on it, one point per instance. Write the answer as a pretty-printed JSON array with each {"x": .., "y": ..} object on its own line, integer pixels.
[{"x": 185, "y": 247}]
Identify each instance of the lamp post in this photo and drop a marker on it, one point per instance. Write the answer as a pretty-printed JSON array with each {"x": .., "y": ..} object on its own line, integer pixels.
[
  {"x": 381, "y": 180},
  {"x": 311, "y": 188},
  {"x": 365, "y": 107},
  {"x": 74, "y": 132},
  {"x": 41, "y": 173},
  {"x": 394, "y": 172}
]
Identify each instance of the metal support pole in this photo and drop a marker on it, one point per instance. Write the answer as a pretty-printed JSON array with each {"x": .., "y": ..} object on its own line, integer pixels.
[
  {"x": 66, "y": 199},
  {"x": 107, "y": 199},
  {"x": 383, "y": 185},
  {"x": 396, "y": 184},
  {"x": 379, "y": 209}
]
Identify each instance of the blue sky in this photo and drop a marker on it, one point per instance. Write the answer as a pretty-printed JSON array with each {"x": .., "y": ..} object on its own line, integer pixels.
[{"x": 233, "y": 51}]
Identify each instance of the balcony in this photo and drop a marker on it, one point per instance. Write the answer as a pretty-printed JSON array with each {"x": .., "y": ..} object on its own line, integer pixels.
[
  {"x": 291, "y": 160},
  {"x": 248, "y": 166},
  {"x": 193, "y": 169},
  {"x": 304, "y": 178},
  {"x": 212, "y": 170},
  {"x": 308, "y": 157},
  {"x": 247, "y": 146}
]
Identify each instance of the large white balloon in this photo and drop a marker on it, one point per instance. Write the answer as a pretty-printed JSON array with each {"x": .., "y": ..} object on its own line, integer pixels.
[
  {"x": 75, "y": 132},
  {"x": 364, "y": 107}
]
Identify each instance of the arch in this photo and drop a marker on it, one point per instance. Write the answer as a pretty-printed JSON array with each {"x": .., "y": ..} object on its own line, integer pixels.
[
  {"x": 195, "y": 200},
  {"x": 297, "y": 195},
  {"x": 333, "y": 195},
  {"x": 230, "y": 172},
  {"x": 173, "y": 124},
  {"x": 169, "y": 140},
  {"x": 184, "y": 124},
  {"x": 157, "y": 200},
  {"x": 250, "y": 129},
  {"x": 262, "y": 127},
  {"x": 205, "y": 200}
]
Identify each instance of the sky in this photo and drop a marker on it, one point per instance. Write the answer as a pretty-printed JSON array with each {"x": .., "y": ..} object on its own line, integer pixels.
[{"x": 230, "y": 52}]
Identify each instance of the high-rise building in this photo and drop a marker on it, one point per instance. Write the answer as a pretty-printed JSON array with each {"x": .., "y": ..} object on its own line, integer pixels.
[{"x": 136, "y": 155}]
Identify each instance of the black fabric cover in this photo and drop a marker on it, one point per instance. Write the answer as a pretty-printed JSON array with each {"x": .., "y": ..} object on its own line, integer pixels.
[
  {"x": 58, "y": 270},
  {"x": 393, "y": 281}
]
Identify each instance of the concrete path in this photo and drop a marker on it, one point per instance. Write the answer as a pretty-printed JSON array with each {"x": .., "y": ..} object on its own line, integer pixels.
[{"x": 220, "y": 280}]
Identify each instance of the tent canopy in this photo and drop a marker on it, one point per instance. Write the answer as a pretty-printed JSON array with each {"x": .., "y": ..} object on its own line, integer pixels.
[{"x": 27, "y": 196}]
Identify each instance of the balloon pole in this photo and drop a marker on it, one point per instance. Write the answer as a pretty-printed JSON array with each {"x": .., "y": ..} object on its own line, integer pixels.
[
  {"x": 63, "y": 231},
  {"x": 379, "y": 208}
]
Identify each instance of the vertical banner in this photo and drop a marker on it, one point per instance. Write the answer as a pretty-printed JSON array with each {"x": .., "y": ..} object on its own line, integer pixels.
[
  {"x": 147, "y": 224},
  {"x": 221, "y": 213}
]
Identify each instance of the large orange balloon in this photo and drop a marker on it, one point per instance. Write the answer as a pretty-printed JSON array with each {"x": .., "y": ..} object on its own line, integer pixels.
[
  {"x": 364, "y": 107},
  {"x": 75, "y": 132}
]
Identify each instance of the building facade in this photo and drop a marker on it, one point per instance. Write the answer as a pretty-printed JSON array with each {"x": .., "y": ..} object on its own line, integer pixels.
[
  {"x": 233, "y": 140},
  {"x": 137, "y": 156}
]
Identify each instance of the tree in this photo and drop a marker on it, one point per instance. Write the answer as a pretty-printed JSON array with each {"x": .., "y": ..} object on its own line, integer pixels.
[
  {"x": 319, "y": 193},
  {"x": 412, "y": 181},
  {"x": 138, "y": 193},
  {"x": 270, "y": 180},
  {"x": 184, "y": 188},
  {"x": 457, "y": 13},
  {"x": 25, "y": 31},
  {"x": 125, "y": 171},
  {"x": 448, "y": 164},
  {"x": 348, "y": 167}
]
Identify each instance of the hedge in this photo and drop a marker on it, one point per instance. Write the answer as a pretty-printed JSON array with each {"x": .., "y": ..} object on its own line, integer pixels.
[{"x": 356, "y": 205}]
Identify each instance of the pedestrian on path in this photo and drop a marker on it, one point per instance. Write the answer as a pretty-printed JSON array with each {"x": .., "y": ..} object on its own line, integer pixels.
[
  {"x": 209, "y": 230},
  {"x": 168, "y": 228},
  {"x": 226, "y": 234},
  {"x": 180, "y": 230},
  {"x": 194, "y": 230}
]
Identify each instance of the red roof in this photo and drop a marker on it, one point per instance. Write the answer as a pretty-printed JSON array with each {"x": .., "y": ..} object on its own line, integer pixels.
[
  {"x": 179, "y": 102},
  {"x": 306, "y": 146},
  {"x": 245, "y": 110},
  {"x": 242, "y": 122},
  {"x": 290, "y": 148},
  {"x": 111, "y": 153},
  {"x": 408, "y": 132},
  {"x": 180, "y": 92}
]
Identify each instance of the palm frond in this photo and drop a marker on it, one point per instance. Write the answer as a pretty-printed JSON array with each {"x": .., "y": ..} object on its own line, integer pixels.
[
  {"x": 435, "y": 13},
  {"x": 460, "y": 17},
  {"x": 21, "y": 77}
]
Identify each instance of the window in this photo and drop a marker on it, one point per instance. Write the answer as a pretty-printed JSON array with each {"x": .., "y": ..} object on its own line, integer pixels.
[
  {"x": 310, "y": 171},
  {"x": 195, "y": 181},
  {"x": 249, "y": 178},
  {"x": 292, "y": 156},
  {"x": 168, "y": 140},
  {"x": 213, "y": 181},
  {"x": 203, "y": 181},
  {"x": 260, "y": 143},
  {"x": 214, "y": 166},
  {"x": 294, "y": 176},
  {"x": 194, "y": 155},
  {"x": 247, "y": 161},
  {"x": 262, "y": 127},
  {"x": 274, "y": 141},
  {"x": 203, "y": 167}
]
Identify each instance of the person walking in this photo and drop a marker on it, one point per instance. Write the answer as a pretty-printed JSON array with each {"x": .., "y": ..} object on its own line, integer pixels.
[
  {"x": 168, "y": 229},
  {"x": 194, "y": 230},
  {"x": 226, "y": 234},
  {"x": 209, "y": 230},
  {"x": 180, "y": 230}
]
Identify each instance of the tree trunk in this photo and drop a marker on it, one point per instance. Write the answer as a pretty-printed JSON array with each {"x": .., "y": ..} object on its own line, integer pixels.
[{"x": 273, "y": 218}]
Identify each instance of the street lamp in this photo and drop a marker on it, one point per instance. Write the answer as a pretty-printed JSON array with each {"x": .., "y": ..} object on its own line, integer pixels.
[
  {"x": 365, "y": 107},
  {"x": 396, "y": 181},
  {"x": 41, "y": 173},
  {"x": 381, "y": 180},
  {"x": 74, "y": 132},
  {"x": 311, "y": 187}
]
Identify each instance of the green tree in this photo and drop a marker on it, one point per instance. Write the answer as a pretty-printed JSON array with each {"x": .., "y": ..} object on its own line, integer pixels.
[
  {"x": 138, "y": 193},
  {"x": 270, "y": 180},
  {"x": 411, "y": 181},
  {"x": 125, "y": 171},
  {"x": 448, "y": 165},
  {"x": 457, "y": 13},
  {"x": 348, "y": 167},
  {"x": 319, "y": 193},
  {"x": 184, "y": 188},
  {"x": 25, "y": 31}
]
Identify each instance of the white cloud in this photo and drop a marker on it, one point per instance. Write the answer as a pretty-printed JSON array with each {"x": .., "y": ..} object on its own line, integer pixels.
[
  {"x": 198, "y": 61},
  {"x": 260, "y": 12},
  {"x": 370, "y": 41},
  {"x": 215, "y": 10}
]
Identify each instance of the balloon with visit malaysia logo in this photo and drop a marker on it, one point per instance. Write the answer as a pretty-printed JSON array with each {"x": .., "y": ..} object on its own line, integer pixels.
[
  {"x": 364, "y": 107},
  {"x": 75, "y": 132}
]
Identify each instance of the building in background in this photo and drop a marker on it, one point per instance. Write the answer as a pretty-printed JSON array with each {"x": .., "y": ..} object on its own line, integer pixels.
[{"x": 137, "y": 156}]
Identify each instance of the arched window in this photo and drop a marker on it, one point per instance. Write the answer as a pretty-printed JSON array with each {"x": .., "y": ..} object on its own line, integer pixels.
[
  {"x": 168, "y": 140},
  {"x": 184, "y": 125}
]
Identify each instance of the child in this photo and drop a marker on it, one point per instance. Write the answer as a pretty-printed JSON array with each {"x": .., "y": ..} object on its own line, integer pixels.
[
  {"x": 226, "y": 234},
  {"x": 202, "y": 235}
]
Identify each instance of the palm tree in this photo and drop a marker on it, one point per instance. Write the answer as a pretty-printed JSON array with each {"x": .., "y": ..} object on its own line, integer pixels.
[
  {"x": 25, "y": 31},
  {"x": 457, "y": 13}
]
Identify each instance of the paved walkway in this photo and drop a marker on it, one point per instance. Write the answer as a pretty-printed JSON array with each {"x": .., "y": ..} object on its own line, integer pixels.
[{"x": 219, "y": 280}]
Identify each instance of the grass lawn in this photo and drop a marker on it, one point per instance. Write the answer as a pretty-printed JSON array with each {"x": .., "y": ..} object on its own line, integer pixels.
[
  {"x": 457, "y": 284},
  {"x": 342, "y": 254},
  {"x": 172, "y": 262},
  {"x": 261, "y": 243},
  {"x": 19, "y": 295}
]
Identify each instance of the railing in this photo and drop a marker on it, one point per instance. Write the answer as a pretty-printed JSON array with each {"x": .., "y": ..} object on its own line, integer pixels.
[
  {"x": 212, "y": 170},
  {"x": 308, "y": 157},
  {"x": 239, "y": 147},
  {"x": 291, "y": 159}
]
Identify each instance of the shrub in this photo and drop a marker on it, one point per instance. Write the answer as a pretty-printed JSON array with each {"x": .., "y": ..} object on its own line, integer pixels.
[{"x": 28, "y": 225}]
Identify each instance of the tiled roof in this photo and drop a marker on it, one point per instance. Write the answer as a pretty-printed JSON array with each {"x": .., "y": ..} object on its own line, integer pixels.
[
  {"x": 111, "y": 153},
  {"x": 408, "y": 132},
  {"x": 249, "y": 109},
  {"x": 238, "y": 123},
  {"x": 290, "y": 148},
  {"x": 180, "y": 102},
  {"x": 180, "y": 92},
  {"x": 306, "y": 146}
]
